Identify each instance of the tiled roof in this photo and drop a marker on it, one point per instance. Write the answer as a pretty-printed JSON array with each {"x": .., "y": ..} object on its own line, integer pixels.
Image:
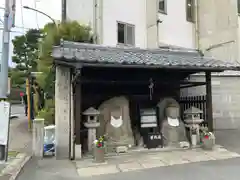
[{"x": 96, "y": 54}]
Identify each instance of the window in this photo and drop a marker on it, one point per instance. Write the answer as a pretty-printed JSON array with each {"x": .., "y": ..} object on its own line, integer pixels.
[
  {"x": 190, "y": 10},
  {"x": 162, "y": 6},
  {"x": 126, "y": 34},
  {"x": 238, "y": 7}
]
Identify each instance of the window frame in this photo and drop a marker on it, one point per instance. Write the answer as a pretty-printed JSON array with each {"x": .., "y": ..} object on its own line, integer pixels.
[
  {"x": 163, "y": 11},
  {"x": 126, "y": 25},
  {"x": 192, "y": 18}
]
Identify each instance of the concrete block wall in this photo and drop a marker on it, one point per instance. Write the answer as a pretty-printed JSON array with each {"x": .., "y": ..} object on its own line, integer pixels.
[
  {"x": 226, "y": 102},
  {"x": 62, "y": 111},
  {"x": 225, "y": 98},
  {"x": 218, "y": 24}
]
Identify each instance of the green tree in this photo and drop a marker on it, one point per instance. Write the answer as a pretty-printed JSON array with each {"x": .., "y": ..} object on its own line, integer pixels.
[
  {"x": 70, "y": 31},
  {"x": 25, "y": 54}
]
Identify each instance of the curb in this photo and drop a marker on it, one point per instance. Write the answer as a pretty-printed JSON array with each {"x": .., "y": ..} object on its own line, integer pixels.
[
  {"x": 13, "y": 169},
  {"x": 14, "y": 116}
]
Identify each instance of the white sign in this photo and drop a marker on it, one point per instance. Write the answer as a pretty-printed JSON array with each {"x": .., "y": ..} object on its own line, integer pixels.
[
  {"x": 4, "y": 122},
  {"x": 148, "y": 119},
  {"x": 153, "y": 137}
]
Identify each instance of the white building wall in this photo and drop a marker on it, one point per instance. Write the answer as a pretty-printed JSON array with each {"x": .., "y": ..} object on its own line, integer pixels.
[
  {"x": 81, "y": 11},
  {"x": 132, "y": 12},
  {"x": 238, "y": 37},
  {"x": 126, "y": 11},
  {"x": 175, "y": 29}
]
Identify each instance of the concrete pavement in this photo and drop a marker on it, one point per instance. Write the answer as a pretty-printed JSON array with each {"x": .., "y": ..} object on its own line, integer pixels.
[
  {"x": 17, "y": 111},
  {"x": 227, "y": 169},
  {"x": 127, "y": 163},
  {"x": 212, "y": 170},
  {"x": 229, "y": 139},
  {"x": 49, "y": 169},
  {"x": 20, "y": 144}
]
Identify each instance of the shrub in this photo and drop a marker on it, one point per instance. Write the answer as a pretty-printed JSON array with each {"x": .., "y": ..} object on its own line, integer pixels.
[{"x": 48, "y": 113}]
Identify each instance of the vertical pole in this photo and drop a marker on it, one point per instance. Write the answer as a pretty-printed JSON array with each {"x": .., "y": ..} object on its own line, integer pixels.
[
  {"x": 5, "y": 53},
  {"x": 78, "y": 113},
  {"x": 4, "y": 65},
  {"x": 64, "y": 10},
  {"x": 28, "y": 103},
  {"x": 209, "y": 101}
]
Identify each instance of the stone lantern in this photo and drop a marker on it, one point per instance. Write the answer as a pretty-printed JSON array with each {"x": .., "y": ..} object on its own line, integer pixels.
[
  {"x": 92, "y": 124},
  {"x": 192, "y": 120}
]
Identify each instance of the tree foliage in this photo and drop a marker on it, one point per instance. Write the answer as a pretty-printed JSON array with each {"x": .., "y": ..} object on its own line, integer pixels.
[
  {"x": 70, "y": 31},
  {"x": 25, "y": 56},
  {"x": 26, "y": 50}
]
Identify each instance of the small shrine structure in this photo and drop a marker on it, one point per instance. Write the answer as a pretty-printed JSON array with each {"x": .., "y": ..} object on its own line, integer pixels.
[{"x": 121, "y": 81}]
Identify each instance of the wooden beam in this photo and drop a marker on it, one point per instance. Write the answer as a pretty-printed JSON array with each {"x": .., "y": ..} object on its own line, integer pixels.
[
  {"x": 144, "y": 66},
  {"x": 193, "y": 85},
  {"x": 209, "y": 113},
  {"x": 139, "y": 82}
]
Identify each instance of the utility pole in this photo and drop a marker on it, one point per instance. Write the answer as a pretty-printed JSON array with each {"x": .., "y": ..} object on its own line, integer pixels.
[
  {"x": 5, "y": 52},
  {"x": 8, "y": 12},
  {"x": 64, "y": 10}
]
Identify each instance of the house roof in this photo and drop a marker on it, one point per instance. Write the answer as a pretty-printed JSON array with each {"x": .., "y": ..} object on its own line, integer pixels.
[{"x": 92, "y": 54}]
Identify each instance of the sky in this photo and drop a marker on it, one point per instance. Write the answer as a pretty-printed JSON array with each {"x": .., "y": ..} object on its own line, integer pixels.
[{"x": 26, "y": 19}]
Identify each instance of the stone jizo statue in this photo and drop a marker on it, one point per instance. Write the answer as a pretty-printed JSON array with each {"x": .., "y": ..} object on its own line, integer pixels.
[
  {"x": 172, "y": 128},
  {"x": 115, "y": 122}
]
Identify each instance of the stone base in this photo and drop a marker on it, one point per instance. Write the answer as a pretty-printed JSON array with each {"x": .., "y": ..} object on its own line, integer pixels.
[
  {"x": 121, "y": 149},
  {"x": 78, "y": 151},
  {"x": 99, "y": 155}
]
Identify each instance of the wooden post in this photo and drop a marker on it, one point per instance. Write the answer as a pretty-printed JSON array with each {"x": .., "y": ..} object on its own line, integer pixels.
[
  {"x": 78, "y": 118},
  {"x": 28, "y": 92},
  {"x": 209, "y": 113},
  {"x": 78, "y": 113}
]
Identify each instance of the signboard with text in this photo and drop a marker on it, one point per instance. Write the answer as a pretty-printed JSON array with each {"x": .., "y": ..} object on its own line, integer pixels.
[{"x": 4, "y": 122}]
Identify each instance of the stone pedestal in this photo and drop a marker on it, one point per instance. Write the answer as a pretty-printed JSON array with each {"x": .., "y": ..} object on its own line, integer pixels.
[
  {"x": 78, "y": 151},
  {"x": 38, "y": 137},
  {"x": 91, "y": 133},
  {"x": 192, "y": 120},
  {"x": 99, "y": 155}
]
